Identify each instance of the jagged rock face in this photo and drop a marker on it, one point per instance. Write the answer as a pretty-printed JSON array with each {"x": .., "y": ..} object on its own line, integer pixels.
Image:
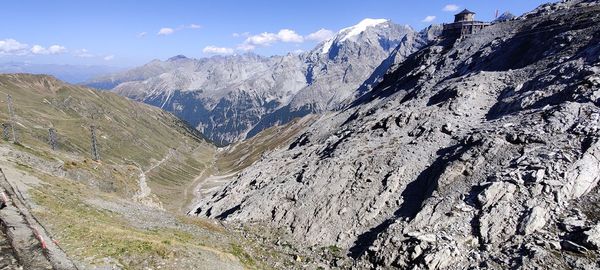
[
  {"x": 468, "y": 154},
  {"x": 338, "y": 66},
  {"x": 506, "y": 16},
  {"x": 233, "y": 97}
]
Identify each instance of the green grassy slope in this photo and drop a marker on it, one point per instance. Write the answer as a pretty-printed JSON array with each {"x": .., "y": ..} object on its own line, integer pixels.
[
  {"x": 127, "y": 130},
  {"x": 90, "y": 207},
  {"x": 242, "y": 154}
]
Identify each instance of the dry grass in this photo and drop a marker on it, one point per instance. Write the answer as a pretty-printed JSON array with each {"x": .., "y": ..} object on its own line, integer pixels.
[
  {"x": 91, "y": 234},
  {"x": 243, "y": 154}
]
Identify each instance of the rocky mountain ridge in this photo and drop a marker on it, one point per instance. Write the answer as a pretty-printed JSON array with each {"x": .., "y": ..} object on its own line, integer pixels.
[
  {"x": 229, "y": 98},
  {"x": 479, "y": 152}
]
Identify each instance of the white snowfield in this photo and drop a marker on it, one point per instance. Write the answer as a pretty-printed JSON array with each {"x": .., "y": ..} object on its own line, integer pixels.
[{"x": 360, "y": 27}]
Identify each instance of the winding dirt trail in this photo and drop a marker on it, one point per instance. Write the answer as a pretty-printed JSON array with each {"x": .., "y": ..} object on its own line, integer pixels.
[{"x": 144, "y": 192}]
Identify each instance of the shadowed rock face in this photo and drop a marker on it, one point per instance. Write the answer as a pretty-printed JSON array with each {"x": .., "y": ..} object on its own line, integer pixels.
[
  {"x": 467, "y": 154},
  {"x": 233, "y": 97}
]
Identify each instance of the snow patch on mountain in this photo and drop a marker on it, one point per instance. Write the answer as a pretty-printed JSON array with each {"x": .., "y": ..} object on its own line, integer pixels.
[
  {"x": 327, "y": 46},
  {"x": 352, "y": 31},
  {"x": 360, "y": 27}
]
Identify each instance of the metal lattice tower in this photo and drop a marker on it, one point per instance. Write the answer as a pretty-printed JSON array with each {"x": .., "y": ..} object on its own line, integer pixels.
[
  {"x": 95, "y": 155},
  {"x": 6, "y": 131},
  {"x": 11, "y": 112},
  {"x": 52, "y": 138}
]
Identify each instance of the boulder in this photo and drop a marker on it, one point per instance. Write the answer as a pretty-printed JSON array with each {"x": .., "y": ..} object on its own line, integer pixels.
[
  {"x": 495, "y": 192},
  {"x": 584, "y": 174},
  {"x": 535, "y": 220},
  {"x": 592, "y": 237}
]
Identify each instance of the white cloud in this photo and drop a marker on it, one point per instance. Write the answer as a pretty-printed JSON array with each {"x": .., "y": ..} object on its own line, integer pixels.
[
  {"x": 142, "y": 34},
  {"x": 284, "y": 35},
  {"x": 267, "y": 39},
  {"x": 37, "y": 49},
  {"x": 245, "y": 34},
  {"x": 54, "y": 49},
  {"x": 83, "y": 53},
  {"x": 429, "y": 18},
  {"x": 263, "y": 39},
  {"x": 287, "y": 35},
  {"x": 168, "y": 30},
  {"x": 217, "y": 50},
  {"x": 13, "y": 47},
  {"x": 450, "y": 7},
  {"x": 321, "y": 35},
  {"x": 165, "y": 31}
]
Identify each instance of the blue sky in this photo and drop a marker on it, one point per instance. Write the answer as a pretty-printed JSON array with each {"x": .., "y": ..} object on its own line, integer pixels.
[{"x": 129, "y": 33}]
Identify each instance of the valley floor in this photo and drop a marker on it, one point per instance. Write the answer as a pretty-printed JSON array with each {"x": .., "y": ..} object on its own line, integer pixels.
[{"x": 107, "y": 230}]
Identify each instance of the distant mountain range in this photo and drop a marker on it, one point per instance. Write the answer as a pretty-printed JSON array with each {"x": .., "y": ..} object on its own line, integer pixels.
[
  {"x": 68, "y": 73},
  {"x": 229, "y": 98}
]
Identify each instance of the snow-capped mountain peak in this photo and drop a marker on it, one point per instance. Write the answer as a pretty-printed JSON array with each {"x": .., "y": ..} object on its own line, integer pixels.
[
  {"x": 350, "y": 32},
  {"x": 359, "y": 28}
]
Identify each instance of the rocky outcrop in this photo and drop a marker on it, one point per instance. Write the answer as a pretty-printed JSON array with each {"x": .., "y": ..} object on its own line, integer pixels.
[
  {"x": 584, "y": 174},
  {"x": 29, "y": 240},
  {"x": 468, "y": 154}
]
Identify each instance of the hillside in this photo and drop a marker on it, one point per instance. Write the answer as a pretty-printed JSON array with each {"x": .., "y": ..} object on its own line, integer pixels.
[
  {"x": 121, "y": 212},
  {"x": 127, "y": 130},
  {"x": 473, "y": 153}
]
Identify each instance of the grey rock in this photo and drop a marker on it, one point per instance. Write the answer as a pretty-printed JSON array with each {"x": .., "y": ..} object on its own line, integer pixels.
[
  {"x": 572, "y": 224},
  {"x": 572, "y": 246},
  {"x": 592, "y": 237},
  {"x": 440, "y": 259},
  {"x": 495, "y": 192},
  {"x": 380, "y": 173},
  {"x": 584, "y": 174},
  {"x": 535, "y": 220}
]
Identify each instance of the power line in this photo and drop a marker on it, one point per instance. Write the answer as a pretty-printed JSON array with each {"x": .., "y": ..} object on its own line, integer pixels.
[
  {"x": 95, "y": 154},
  {"x": 52, "y": 138},
  {"x": 11, "y": 113}
]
